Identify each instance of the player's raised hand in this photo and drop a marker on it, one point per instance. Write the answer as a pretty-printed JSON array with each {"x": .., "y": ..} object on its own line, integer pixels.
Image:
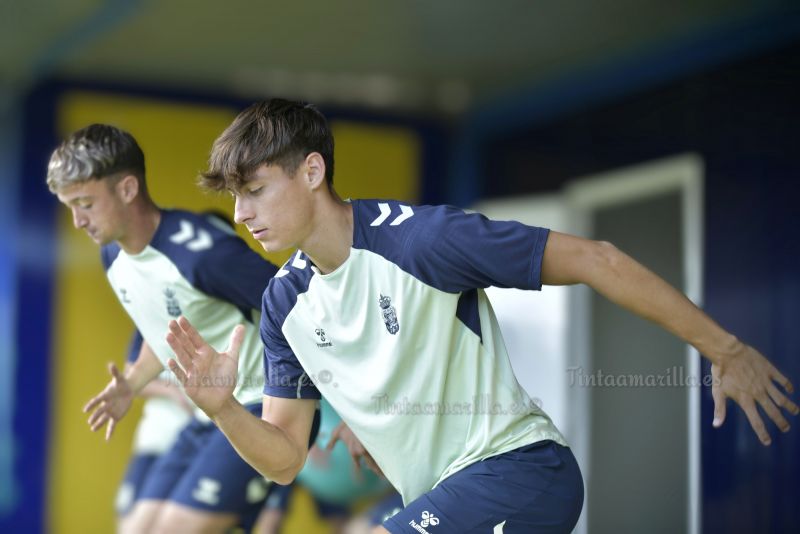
[
  {"x": 208, "y": 376},
  {"x": 748, "y": 378},
  {"x": 111, "y": 404}
]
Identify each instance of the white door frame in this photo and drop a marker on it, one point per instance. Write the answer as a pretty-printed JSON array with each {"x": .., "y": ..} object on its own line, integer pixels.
[{"x": 684, "y": 174}]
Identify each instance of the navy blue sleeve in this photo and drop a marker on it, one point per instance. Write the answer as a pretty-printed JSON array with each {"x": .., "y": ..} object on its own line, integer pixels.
[
  {"x": 134, "y": 347},
  {"x": 456, "y": 251},
  {"x": 108, "y": 253},
  {"x": 233, "y": 272},
  {"x": 285, "y": 375}
]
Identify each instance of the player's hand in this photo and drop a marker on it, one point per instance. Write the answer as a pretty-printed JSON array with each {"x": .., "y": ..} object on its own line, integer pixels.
[
  {"x": 208, "y": 376},
  {"x": 748, "y": 378},
  {"x": 354, "y": 447},
  {"x": 111, "y": 404},
  {"x": 319, "y": 457}
]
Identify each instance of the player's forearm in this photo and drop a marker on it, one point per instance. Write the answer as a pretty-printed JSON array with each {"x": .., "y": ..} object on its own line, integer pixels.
[
  {"x": 164, "y": 389},
  {"x": 632, "y": 286},
  {"x": 264, "y": 446},
  {"x": 144, "y": 370}
]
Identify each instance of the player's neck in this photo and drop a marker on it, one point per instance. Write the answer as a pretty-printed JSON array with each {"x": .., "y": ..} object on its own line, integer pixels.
[
  {"x": 143, "y": 221},
  {"x": 329, "y": 243}
]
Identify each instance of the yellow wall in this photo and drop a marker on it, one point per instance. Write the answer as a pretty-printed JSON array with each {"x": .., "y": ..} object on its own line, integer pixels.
[{"x": 91, "y": 328}]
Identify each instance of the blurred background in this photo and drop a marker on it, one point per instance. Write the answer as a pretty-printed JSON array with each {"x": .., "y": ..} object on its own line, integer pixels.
[{"x": 668, "y": 128}]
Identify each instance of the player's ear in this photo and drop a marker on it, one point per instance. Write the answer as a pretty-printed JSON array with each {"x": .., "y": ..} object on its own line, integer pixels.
[
  {"x": 128, "y": 188},
  {"x": 315, "y": 170}
]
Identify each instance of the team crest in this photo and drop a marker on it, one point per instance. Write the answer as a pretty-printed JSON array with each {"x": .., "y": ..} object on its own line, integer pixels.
[
  {"x": 173, "y": 307},
  {"x": 389, "y": 314}
]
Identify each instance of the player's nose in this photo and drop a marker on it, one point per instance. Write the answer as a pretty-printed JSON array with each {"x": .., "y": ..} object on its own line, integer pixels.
[
  {"x": 242, "y": 211},
  {"x": 79, "y": 220}
]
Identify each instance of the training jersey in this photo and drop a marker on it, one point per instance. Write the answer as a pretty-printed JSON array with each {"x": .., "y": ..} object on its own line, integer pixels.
[
  {"x": 402, "y": 341},
  {"x": 162, "y": 418},
  {"x": 195, "y": 266}
]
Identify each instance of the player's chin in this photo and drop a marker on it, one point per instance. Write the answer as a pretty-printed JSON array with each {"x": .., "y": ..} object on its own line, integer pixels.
[
  {"x": 100, "y": 239},
  {"x": 273, "y": 245}
]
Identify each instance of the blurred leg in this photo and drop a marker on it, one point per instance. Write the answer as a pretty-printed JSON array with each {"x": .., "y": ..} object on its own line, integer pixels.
[
  {"x": 141, "y": 518},
  {"x": 178, "y": 518}
]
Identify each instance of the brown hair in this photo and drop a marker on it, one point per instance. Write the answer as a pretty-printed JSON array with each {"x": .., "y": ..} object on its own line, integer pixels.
[
  {"x": 274, "y": 132},
  {"x": 95, "y": 152}
]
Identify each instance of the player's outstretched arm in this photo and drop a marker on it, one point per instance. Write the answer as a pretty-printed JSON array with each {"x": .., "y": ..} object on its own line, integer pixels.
[
  {"x": 276, "y": 445},
  {"x": 111, "y": 404},
  {"x": 740, "y": 372}
]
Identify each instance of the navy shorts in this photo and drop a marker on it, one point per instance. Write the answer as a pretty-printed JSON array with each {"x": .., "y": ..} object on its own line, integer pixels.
[
  {"x": 280, "y": 497},
  {"x": 534, "y": 489},
  {"x": 202, "y": 470},
  {"x": 387, "y": 507},
  {"x": 131, "y": 486},
  {"x": 329, "y": 510},
  {"x": 277, "y": 499}
]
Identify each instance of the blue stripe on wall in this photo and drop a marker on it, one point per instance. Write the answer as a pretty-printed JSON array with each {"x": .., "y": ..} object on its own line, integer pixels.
[
  {"x": 35, "y": 252},
  {"x": 9, "y": 182}
]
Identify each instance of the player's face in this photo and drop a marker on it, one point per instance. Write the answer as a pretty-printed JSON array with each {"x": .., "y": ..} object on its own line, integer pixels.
[
  {"x": 275, "y": 207},
  {"x": 96, "y": 208}
]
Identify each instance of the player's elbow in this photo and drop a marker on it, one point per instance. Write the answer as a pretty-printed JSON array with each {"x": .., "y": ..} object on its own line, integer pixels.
[
  {"x": 605, "y": 257},
  {"x": 606, "y": 252},
  {"x": 286, "y": 476},
  {"x": 283, "y": 479}
]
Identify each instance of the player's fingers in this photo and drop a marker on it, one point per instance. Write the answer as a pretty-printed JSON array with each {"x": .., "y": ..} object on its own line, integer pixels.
[
  {"x": 782, "y": 380},
  {"x": 99, "y": 423},
  {"x": 335, "y": 436},
  {"x": 774, "y": 413},
  {"x": 181, "y": 337},
  {"x": 180, "y": 346},
  {"x": 373, "y": 465},
  {"x": 781, "y": 400},
  {"x": 359, "y": 476},
  {"x": 183, "y": 357},
  {"x": 719, "y": 405},
  {"x": 756, "y": 422},
  {"x": 194, "y": 337},
  {"x": 177, "y": 371},
  {"x": 110, "y": 428},
  {"x": 112, "y": 369},
  {"x": 94, "y": 401},
  {"x": 237, "y": 336},
  {"x": 97, "y": 414}
]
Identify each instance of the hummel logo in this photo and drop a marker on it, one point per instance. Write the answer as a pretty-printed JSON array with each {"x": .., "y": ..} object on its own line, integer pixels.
[
  {"x": 207, "y": 491},
  {"x": 186, "y": 236},
  {"x": 324, "y": 342},
  {"x": 405, "y": 213},
  {"x": 428, "y": 519},
  {"x": 297, "y": 262},
  {"x": 123, "y": 296}
]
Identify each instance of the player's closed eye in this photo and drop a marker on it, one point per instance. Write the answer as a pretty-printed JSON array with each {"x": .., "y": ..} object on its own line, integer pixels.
[{"x": 255, "y": 192}]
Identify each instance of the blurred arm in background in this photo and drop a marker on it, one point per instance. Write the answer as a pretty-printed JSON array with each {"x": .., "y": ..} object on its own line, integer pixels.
[{"x": 111, "y": 404}]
